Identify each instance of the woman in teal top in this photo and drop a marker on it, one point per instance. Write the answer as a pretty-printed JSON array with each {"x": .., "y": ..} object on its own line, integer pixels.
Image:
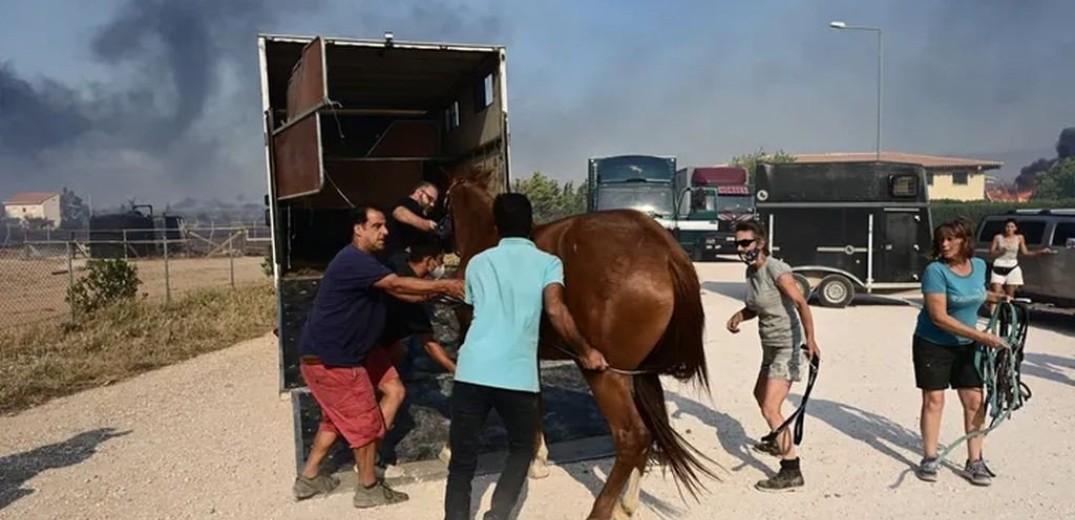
[{"x": 945, "y": 340}]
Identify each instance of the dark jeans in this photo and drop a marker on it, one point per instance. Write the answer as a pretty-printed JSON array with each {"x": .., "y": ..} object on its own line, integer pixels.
[{"x": 470, "y": 406}]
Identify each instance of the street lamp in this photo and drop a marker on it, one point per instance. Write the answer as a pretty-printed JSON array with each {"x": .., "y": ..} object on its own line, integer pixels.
[{"x": 880, "y": 68}]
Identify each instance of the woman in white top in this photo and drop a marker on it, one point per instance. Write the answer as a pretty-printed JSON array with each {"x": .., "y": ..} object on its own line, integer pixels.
[{"x": 1005, "y": 251}]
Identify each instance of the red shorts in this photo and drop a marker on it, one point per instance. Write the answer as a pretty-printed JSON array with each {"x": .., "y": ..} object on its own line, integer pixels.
[{"x": 348, "y": 398}]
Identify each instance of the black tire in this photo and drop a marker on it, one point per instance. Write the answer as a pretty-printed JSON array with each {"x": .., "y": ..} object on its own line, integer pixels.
[
  {"x": 835, "y": 290},
  {"x": 803, "y": 283}
]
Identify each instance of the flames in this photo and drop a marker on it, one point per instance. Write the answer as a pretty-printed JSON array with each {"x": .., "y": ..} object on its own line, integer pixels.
[{"x": 996, "y": 192}]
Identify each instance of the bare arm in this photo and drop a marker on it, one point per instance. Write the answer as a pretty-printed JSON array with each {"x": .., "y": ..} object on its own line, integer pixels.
[
  {"x": 561, "y": 318},
  {"x": 747, "y": 314},
  {"x": 403, "y": 287},
  {"x": 436, "y": 351},
  {"x": 402, "y": 214},
  {"x": 787, "y": 285},
  {"x": 1023, "y": 249},
  {"x": 994, "y": 248}
]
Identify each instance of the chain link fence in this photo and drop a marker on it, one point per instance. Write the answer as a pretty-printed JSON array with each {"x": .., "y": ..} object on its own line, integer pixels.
[{"x": 37, "y": 269}]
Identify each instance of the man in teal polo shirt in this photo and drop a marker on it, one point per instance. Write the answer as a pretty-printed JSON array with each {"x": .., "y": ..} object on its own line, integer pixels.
[{"x": 508, "y": 285}]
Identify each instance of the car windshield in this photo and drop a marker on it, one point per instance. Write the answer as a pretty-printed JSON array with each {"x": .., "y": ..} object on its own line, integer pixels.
[{"x": 655, "y": 201}]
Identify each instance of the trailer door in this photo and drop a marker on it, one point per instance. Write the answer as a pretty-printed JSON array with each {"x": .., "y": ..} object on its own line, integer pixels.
[{"x": 897, "y": 246}]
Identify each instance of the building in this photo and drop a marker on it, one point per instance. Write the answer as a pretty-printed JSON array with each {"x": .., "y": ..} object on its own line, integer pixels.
[
  {"x": 951, "y": 178},
  {"x": 41, "y": 206}
]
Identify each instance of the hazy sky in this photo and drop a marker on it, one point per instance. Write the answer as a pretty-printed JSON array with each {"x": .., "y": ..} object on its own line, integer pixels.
[{"x": 160, "y": 100}]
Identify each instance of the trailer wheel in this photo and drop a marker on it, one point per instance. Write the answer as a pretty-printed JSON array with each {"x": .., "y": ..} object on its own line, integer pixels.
[
  {"x": 804, "y": 285},
  {"x": 835, "y": 291}
]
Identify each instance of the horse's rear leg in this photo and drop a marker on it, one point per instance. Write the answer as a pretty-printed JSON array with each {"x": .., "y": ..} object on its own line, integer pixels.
[
  {"x": 539, "y": 466},
  {"x": 630, "y": 437}
]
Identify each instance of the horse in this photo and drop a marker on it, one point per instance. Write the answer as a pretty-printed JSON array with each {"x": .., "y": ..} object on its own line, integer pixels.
[{"x": 636, "y": 297}]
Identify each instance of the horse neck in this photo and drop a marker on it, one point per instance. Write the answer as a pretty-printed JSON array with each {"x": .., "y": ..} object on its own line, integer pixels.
[{"x": 472, "y": 215}]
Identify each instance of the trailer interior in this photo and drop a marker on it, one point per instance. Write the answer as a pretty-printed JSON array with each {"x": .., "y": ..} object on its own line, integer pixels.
[{"x": 360, "y": 122}]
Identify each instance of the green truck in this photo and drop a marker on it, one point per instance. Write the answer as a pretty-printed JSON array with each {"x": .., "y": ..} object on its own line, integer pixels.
[{"x": 651, "y": 184}]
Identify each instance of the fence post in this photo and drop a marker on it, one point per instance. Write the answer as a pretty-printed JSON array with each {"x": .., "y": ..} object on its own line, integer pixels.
[
  {"x": 167, "y": 279},
  {"x": 124, "y": 244},
  {"x": 70, "y": 279},
  {"x": 231, "y": 258}
]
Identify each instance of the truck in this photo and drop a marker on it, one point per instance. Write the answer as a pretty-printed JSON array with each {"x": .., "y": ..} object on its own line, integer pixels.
[
  {"x": 640, "y": 182},
  {"x": 845, "y": 227},
  {"x": 652, "y": 185},
  {"x": 350, "y": 122},
  {"x": 713, "y": 199}
]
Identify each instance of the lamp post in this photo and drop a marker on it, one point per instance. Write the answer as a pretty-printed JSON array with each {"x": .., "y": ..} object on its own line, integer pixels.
[{"x": 880, "y": 69}]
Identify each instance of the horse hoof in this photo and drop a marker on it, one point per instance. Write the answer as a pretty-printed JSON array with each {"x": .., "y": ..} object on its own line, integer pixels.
[
  {"x": 539, "y": 469},
  {"x": 445, "y": 455},
  {"x": 619, "y": 513}
]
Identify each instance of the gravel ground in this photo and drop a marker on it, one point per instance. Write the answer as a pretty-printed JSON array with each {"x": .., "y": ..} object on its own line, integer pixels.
[{"x": 210, "y": 438}]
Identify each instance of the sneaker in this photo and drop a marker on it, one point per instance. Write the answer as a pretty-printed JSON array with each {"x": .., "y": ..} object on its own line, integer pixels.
[
  {"x": 390, "y": 471},
  {"x": 978, "y": 473},
  {"x": 378, "y": 495},
  {"x": 767, "y": 445},
  {"x": 786, "y": 480},
  {"x": 927, "y": 469},
  {"x": 307, "y": 487}
]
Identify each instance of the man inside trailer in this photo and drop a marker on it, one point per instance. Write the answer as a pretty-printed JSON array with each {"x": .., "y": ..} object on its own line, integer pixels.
[{"x": 410, "y": 222}]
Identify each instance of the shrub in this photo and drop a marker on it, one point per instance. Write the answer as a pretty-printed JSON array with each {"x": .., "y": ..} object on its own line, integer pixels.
[{"x": 106, "y": 283}]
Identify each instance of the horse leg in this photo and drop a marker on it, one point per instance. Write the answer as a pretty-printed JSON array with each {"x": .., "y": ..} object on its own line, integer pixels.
[
  {"x": 629, "y": 435},
  {"x": 539, "y": 466},
  {"x": 631, "y": 497}
]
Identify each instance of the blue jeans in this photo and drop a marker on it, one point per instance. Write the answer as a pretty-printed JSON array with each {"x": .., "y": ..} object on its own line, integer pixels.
[{"x": 470, "y": 407}]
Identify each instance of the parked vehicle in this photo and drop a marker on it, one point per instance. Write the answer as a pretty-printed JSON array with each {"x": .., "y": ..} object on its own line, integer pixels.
[
  {"x": 847, "y": 226},
  {"x": 719, "y": 197},
  {"x": 1047, "y": 278}
]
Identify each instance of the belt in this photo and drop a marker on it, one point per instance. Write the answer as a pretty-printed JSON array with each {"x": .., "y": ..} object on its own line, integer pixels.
[{"x": 310, "y": 360}]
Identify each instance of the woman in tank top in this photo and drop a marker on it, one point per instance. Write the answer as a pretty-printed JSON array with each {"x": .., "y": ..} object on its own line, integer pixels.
[{"x": 1005, "y": 251}]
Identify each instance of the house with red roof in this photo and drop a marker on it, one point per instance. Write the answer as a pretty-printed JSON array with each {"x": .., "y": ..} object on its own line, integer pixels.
[{"x": 34, "y": 205}]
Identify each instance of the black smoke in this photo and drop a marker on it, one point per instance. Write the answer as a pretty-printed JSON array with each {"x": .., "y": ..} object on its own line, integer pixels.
[{"x": 1065, "y": 149}]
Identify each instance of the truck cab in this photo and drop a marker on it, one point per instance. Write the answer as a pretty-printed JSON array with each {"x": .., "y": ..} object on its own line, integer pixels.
[
  {"x": 639, "y": 182},
  {"x": 712, "y": 200}
]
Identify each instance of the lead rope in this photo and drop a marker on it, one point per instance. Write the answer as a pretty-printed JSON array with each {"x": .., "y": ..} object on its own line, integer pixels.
[
  {"x": 1000, "y": 369},
  {"x": 800, "y": 413}
]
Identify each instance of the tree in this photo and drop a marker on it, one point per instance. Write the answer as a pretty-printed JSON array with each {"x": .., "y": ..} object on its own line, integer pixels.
[
  {"x": 550, "y": 200},
  {"x": 1058, "y": 182},
  {"x": 750, "y": 161},
  {"x": 74, "y": 214}
]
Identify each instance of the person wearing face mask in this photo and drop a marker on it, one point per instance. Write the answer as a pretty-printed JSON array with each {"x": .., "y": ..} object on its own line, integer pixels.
[
  {"x": 783, "y": 314},
  {"x": 944, "y": 344},
  {"x": 406, "y": 319},
  {"x": 410, "y": 223}
]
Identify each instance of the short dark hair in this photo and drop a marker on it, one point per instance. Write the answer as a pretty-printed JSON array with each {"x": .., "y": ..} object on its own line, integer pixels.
[
  {"x": 959, "y": 227},
  {"x": 424, "y": 249},
  {"x": 361, "y": 214},
  {"x": 1011, "y": 221},
  {"x": 755, "y": 227},
  {"x": 513, "y": 214}
]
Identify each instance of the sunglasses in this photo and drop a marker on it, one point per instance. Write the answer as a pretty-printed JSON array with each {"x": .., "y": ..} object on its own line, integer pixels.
[{"x": 745, "y": 242}]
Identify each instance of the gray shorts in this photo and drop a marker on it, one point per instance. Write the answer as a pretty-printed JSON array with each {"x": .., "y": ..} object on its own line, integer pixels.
[{"x": 783, "y": 362}]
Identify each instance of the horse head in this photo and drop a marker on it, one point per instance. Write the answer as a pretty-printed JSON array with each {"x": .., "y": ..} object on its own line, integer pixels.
[{"x": 468, "y": 219}]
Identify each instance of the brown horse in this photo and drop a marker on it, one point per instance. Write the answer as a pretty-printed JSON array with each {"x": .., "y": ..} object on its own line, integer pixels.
[{"x": 636, "y": 297}]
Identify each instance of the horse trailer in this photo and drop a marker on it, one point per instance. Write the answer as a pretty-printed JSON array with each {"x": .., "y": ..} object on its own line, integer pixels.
[
  {"x": 845, "y": 227},
  {"x": 350, "y": 122}
]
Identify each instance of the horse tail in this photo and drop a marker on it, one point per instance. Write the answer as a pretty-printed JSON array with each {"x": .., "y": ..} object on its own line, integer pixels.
[{"x": 681, "y": 354}]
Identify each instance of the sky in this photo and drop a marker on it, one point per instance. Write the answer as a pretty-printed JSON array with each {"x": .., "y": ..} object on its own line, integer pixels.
[{"x": 159, "y": 100}]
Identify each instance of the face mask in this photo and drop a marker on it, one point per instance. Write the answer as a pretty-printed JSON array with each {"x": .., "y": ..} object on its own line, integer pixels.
[
  {"x": 437, "y": 273},
  {"x": 748, "y": 257}
]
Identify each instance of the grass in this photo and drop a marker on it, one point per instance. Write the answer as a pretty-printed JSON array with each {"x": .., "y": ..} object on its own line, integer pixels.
[{"x": 45, "y": 361}]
